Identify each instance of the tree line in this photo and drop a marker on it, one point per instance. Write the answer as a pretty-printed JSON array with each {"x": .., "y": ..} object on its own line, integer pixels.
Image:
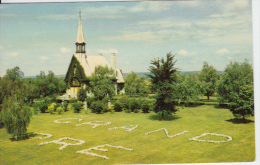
[
  {"x": 169, "y": 87},
  {"x": 235, "y": 86}
]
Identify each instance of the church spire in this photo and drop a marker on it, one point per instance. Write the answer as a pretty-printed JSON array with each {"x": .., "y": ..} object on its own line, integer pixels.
[{"x": 80, "y": 43}]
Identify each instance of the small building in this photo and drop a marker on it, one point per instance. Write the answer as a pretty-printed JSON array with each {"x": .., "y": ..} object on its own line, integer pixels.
[{"x": 82, "y": 66}]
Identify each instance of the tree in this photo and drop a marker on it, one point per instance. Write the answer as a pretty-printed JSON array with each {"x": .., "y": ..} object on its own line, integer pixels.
[
  {"x": 135, "y": 84},
  {"x": 102, "y": 82},
  {"x": 16, "y": 116},
  {"x": 81, "y": 96},
  {"x": 236, "y": 87},
  {"x": 243, "y": 102},
  {"x": 13, "y": 83},
  {"x": 47, "y": 85},
  {"x": 163, "y": 79},
  {"x": 208, "y": 76},
  {"x": 188, "y": 88}
]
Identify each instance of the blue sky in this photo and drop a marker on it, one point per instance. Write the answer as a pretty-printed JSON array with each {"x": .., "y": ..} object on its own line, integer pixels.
[{"x": 41, "y": 36}]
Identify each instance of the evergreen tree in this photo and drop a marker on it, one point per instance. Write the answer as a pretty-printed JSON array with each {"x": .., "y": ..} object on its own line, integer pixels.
[{"x": 163, "y": 79}]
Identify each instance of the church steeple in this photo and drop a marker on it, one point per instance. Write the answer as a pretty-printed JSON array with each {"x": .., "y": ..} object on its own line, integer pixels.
[{"x": 80, "y": 43}]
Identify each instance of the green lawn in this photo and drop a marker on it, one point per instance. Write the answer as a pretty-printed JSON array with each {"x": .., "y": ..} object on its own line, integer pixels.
[{"x": 147, "y": 149}]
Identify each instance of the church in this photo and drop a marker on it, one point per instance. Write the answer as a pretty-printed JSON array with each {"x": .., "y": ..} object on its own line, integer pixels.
[{"x": 82, "y": 66}]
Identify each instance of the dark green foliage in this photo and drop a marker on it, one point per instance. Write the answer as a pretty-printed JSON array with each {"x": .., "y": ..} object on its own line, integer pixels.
[
  {"x": 166, "y": 99},
  {"x": 97, "y": 107},
  {"x": 81, "y": 96},
  {"x": 90, "y": 100},
  {"x": 16, "y": 116},
  {"x": 75, "y": 70},
  {"x": 13, "y": 84},
  {"x": 133, "y": 105},
  {"x": 209, "y": 77},
  {"x": 42, "y": 105},
  {"x": 163, "y": 78},
  {"x": 77, "y": 107},
  {"x": 242, "y": 104},
  {"x": 48, "y": 85},
  {"x": 102, "y": 82},
  {"x": 118, "y": 106},
  {"x": 236, "y": 86},
  {"x": 135, "y": 111},
  {"x": 65, "y": 106},
  {"x": 125, "y": 101},
  {"x": 127, "y": 110},
  {"x": 235, "y": 76},
  {"x": 145, "y": 107}
]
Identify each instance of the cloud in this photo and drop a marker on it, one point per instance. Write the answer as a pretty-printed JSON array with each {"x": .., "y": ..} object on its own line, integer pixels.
[
  {"x": 185, "y": 53},
  {"x": 14, "y": 54},
  {"x": 236, "y": 5},
  {"x": 223, "y": 51},
  {"x": 65, "y": 50},
  {"x": 164, "y": 23},
  {"x": 1, "y": 47},
  {"x": 189, "y": 4},
  {"x": 43, "y": 58},
  {"x": 56, "y": 55},
  {"x": 151, "y": 6},
  {"x": 108, "y": 51}
]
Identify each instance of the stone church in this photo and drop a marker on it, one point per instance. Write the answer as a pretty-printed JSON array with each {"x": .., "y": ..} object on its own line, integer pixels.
[{"x": 82, "y": 66}]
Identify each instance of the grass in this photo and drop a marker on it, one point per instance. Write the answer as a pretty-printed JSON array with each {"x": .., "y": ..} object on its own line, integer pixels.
[{"x": 147, "y": 149}]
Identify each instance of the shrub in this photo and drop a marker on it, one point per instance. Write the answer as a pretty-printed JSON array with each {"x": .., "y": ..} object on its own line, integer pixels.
[
  {"x": 96, "y": 107},
  {"x": 77, "y": 107},
  {"x": 118, "y": 106},
  {"x": 89, "y": 100},
  {"x": 43, "y": 106},
  {"x": 145, "y": 107},
  {"x": 127, "y": 110},
  {"x": 111, "y": 108},
  {"x": 135, "y": 110},
  {"x": 56, "y": 106},
  {"x": 81, "y": 94},
  {"x": 133, "y": 105},
  {"x": 65, "y": 106},
  {"x": 51, "y": 109},
  {"x": 59, "y": 110},
  {"x": 35, "y": 108},
  {"x": 124, "y": 101}
]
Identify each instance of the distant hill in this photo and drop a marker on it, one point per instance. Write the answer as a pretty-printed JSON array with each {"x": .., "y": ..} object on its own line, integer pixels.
[
  {"x": 33, "y": 77},
  {"x": 141, "y": 74},
  {"x": 144, "y": 74}
]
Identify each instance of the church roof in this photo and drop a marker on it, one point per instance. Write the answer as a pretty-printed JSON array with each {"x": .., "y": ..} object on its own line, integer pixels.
[
  {"x": 80, "y": 35},
  {"x": 89, "y": 62}
]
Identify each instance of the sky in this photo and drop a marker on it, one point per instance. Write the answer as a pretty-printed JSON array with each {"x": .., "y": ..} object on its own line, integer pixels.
[{"x": 41, "y": 36}]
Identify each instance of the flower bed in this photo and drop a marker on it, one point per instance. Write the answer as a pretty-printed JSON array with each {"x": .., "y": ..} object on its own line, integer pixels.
[
  {"x": 45, "y": 134},
  {"x": 167, "y": 133},
  {"x": 59, "y": 141},
  {"x": 67, "y": 122},
  {"x": 132, "y": 127},
  {"x": 229, "y": 138},
  {"x": 95, "y": 123},
  {"x": 99, "y": 148}
]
